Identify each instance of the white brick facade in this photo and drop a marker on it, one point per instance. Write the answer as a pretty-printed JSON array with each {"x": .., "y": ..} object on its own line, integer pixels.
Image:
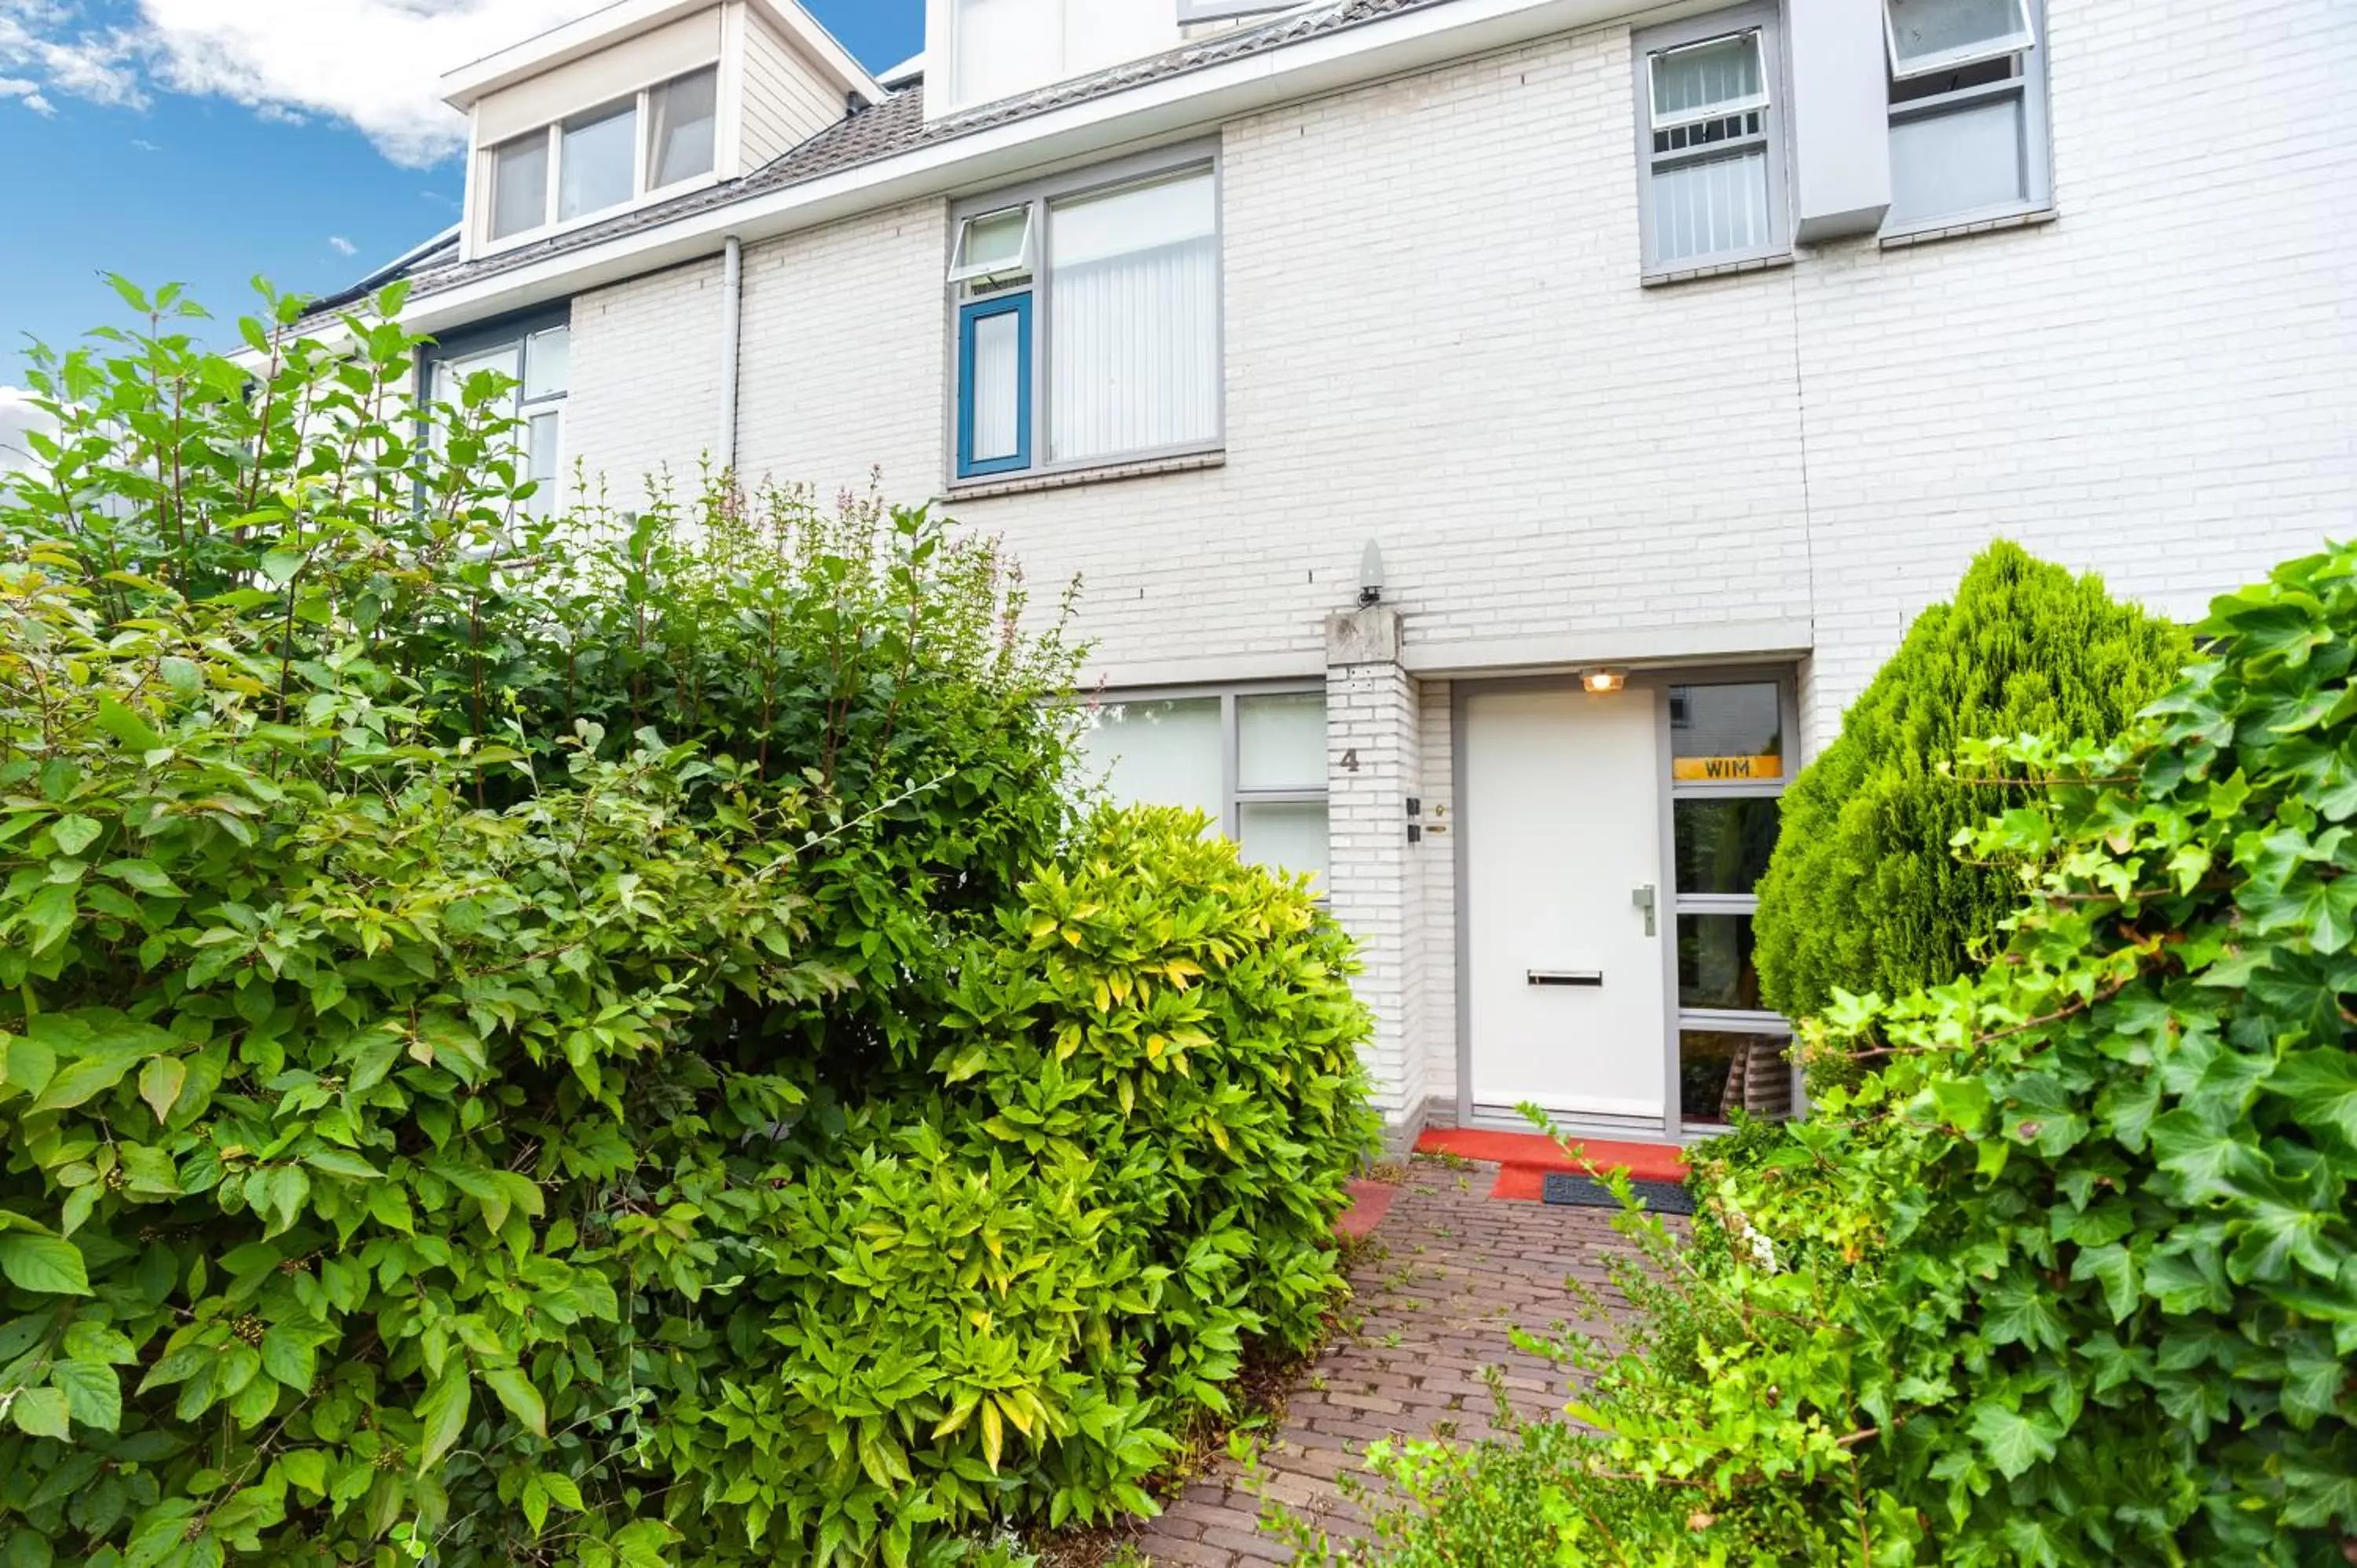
[{"x": 1436, "y": 339}]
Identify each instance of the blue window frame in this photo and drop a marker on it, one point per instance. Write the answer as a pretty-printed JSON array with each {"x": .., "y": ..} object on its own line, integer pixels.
[{"x": 970, "y": 320}]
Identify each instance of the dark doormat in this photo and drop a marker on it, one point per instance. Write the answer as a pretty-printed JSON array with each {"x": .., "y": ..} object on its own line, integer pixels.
[{"x": 1580, "y": 1192}]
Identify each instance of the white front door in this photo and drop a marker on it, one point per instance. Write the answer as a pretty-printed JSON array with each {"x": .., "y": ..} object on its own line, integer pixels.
[{"x": 1561, "y": 814}]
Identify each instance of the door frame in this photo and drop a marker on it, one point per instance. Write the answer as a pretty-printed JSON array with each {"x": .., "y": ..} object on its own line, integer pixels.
[{"x": 1653, "y": 684}]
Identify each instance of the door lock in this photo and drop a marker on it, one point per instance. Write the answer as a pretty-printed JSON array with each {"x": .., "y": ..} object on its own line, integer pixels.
[{"x": 1648, "y": 903}]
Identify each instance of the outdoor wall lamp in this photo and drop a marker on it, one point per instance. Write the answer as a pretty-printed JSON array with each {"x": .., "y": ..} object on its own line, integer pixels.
[
  {"x": 1371, "y": 576},
  {"x": 1604, "y": 683}
]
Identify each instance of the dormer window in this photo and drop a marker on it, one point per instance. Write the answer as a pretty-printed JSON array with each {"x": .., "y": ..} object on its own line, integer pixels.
[{"x": 606, "y": 157}]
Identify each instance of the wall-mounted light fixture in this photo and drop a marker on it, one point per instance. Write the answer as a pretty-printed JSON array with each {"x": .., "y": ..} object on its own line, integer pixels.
[
  {"x": 1604, "y": 683},
  {"x": 1371, "y": 576}
]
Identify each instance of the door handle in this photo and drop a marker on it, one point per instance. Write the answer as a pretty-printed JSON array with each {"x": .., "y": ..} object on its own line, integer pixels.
[{"x": 1648, "y": 902}]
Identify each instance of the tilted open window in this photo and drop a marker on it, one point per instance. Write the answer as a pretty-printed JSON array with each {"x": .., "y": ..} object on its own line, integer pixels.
[
  {"x": 997, "y": 246},
  {"x": 1968, "y": 113}
]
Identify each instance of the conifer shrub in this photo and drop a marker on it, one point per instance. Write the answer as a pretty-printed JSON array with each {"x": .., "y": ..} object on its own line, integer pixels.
[{"x": 1865, "y": 892}]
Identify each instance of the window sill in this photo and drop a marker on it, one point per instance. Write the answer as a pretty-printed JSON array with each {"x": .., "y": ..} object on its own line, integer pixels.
[
  {"x": 1905, "y": 239},
  {"x": 1030, "y": 484},
  {"x": 1722, "y": 270}
]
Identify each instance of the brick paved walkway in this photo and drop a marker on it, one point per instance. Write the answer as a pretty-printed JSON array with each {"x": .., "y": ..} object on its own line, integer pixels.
[{"x": 1450, "y": 1275}]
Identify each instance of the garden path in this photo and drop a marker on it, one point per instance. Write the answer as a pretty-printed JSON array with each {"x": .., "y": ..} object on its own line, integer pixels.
[{"x": 1449, "y": 1273}]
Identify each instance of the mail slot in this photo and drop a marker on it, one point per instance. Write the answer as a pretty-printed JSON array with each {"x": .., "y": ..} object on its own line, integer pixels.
[{"x": 1590, "y": 977}]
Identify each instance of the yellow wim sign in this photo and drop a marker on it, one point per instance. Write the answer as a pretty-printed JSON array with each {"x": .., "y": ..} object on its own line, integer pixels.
[{"x": 1723, "y": 769}]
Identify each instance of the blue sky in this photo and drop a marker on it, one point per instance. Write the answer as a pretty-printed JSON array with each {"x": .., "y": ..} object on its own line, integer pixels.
[{"x": 204, "y": 141}]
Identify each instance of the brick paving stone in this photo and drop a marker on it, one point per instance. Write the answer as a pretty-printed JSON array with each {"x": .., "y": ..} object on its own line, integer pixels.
[{"x": 1452, "y": 1275}]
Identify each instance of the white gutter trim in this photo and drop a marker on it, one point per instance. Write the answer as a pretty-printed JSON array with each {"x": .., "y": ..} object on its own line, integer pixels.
[
  {"x": 1161, "y": 109},
  {"x": 732, "y": 336}
]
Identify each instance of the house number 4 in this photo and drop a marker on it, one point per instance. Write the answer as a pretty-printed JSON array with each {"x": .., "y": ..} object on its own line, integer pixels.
[{"x": 1351, "y": 760}]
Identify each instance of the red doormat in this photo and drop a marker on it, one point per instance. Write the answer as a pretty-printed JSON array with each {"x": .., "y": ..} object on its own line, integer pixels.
[{"x": 1526, "y": 1158}]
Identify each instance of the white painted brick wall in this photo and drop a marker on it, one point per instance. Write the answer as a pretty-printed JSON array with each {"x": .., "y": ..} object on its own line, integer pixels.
[
  {"x": 1436, "y": 339},
  {"x": 646, "y": 381}
]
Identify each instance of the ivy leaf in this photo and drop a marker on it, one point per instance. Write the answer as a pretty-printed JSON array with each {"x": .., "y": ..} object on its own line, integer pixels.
[
  {"x": 2115, "y": 1269},
  {"x": 47, "y": 1265},
  {"x": 94, "y": 1393},
  {"x": 442, "y": 1414},
  {"x": 160, "y": 1082},
  {"x": 2014, "y": 1442},
  {"x": 2212, "y": 1160},
  {"x": 523, "y": 1401},
  {"x": 2322, "y": 1089},
  {"x": 42, "y": 1412}
]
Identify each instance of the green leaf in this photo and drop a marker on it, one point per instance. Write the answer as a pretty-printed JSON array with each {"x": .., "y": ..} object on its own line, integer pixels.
[
  {"x": 2113, "y": 1268},
  {"x": 524, "y": 1401},
  {"x": 340, "y": 1163},
  {"x": 306, "y": 1469},
  {"x": 44, "y": 1264},
  {"x": 75, "y": 833},
  {"x": 2014, "y": 1442},
  {"x": 42, "y": 1412},
  {"x": 47, "y": 915},
  {"x": 80, "y": 1082},
  {"x": 127, "y": 726},
  {"x": 159, "y": 1085},
  {"x": 287, "y": 1357},
  {"x": 442, "y": 1414},
  {"x": 283, "y": 566},
  {"x": 2322, "y": 1085},
  {"x": 25, "y": 1066},
  {"x": 93, "y": 1394}
]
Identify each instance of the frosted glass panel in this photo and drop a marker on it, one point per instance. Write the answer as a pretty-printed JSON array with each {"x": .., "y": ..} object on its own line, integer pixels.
[
  {"x": 1290, "y": 837},
  {"x": 997, "y": 386},
  {"x": 1281, "y": 742},
  {"x": 994, "y": 242},
  {"x": 1928, "y": 34},
  {"x": 1707, "y": 79},
  {"x": 685, "y": 114},
  {"x": 520, "y": 185},
  {"x": 600, "y": 163},
  {"x": 1162, "y": 753},
  {"x": 1960, "y": 161},
  {"x": 542, "y": 459},
  {"x": 1714, "y": 207},
  {"x": 1134, "y": 329},
  {"x": 547, "y": 363}
]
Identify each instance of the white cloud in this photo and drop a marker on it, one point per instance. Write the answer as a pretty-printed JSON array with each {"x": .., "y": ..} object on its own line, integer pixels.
[
  {"x": 342, "y": 246},
  {"x": 28, "y": 94},
  {"x": 372, "y": 64},
  {"x": 19, "y": 415}
]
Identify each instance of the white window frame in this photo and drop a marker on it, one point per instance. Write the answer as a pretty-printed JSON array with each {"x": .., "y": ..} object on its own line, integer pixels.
[
  {"x": 2029, "y": 83},
  {"x": 1762, "y": 100},
  {"x": 2023, "y": 38},
  {"x": 1039, "y": 282},
  {"x": 641, "y": 164},
  {"x": 1233, "y": 796},
  {"x": 517, "y": 338},
  {"x": 1026, "y": 263},
  {"x": 1190, "y": 11},
  {"x": 1764, "y": 17}
]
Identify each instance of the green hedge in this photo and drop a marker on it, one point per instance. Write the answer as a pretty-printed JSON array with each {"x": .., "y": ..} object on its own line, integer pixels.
[
  {"x": 1866, "y": 893},
  {"x": 592, "y": 1042}
]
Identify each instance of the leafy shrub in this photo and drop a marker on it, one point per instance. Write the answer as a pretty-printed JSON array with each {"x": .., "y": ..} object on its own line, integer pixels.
[
  {"x": 1865, "y": 892},
  {"x": 2070, "y": 1278},
  {"x": 525, "y": 1042}
]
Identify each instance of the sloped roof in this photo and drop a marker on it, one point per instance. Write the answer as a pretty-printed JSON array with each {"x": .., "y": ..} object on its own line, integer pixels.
[{"x": 898, "y": 125}]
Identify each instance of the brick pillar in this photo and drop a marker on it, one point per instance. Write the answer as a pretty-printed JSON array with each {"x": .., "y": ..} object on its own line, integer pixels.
[{"x": 1375, "y": 892}]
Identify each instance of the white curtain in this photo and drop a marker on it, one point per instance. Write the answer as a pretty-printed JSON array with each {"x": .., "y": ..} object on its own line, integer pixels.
[
  {"x": 1711, "y": 208},
  {"x": 1134, "y": 328},
  {"x": 1161, "y": 753},
  {"x": 997, "y": 386},
  {"x": 684, "y": 113},
  {"x": 1689, "y": 82}
]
